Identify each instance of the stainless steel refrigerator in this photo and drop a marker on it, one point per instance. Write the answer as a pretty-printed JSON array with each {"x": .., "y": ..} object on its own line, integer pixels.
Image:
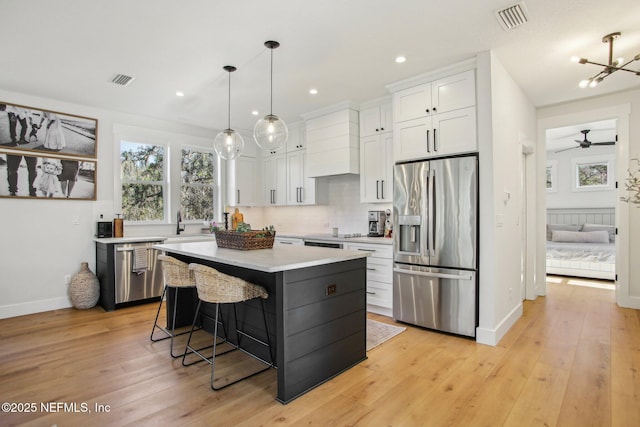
[{"x": 435, "y": 271}]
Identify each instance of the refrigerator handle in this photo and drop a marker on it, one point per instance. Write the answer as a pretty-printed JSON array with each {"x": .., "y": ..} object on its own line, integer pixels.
[
  {"x": 431, "y": 246},
  {"x": 436, "y": 275}
]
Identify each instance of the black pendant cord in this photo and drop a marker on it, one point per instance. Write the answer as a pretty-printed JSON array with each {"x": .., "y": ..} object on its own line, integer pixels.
[
  {"x": 229, "y": 104},
  {"x": 271, "y": 97}
]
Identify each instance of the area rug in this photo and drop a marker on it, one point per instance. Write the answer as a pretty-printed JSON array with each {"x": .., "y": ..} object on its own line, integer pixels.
[{"x": 378, "y": 332}]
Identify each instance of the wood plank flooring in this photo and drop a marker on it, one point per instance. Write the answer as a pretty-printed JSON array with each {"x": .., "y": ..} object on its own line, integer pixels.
[{"x": 573, "y": 359}]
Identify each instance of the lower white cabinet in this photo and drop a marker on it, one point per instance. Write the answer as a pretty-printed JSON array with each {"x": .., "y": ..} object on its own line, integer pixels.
[
  {"x": 379, "y": 276},
  {"x": 288, "y": 241}
]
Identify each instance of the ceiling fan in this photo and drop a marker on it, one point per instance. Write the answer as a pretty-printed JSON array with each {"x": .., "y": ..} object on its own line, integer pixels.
[{"x": 585, "y": 143}]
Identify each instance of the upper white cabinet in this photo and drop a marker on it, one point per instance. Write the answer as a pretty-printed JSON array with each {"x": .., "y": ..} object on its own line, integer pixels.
[
  {"x": 275, "y": 180},
  {"x": 285, "y": 179},
  {"x": 446, "y": 94},
  {"x": 332, "y": 142},
  {"x": 241, "y": 176},
  {"x": 436, "y": 118},
  {"x": 376, "y": 154},
  {"x": 376, "y": 120}
]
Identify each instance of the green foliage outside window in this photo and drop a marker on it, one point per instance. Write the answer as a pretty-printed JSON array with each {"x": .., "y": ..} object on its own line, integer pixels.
[
  {"x": 197, "y": 190},
  {"x": 142, "y": 175}
]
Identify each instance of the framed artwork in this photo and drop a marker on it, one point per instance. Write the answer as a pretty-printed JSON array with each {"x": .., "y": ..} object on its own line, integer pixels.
[
  {"x": 29, "y": 129},
  {"x": 593, "y": 173},
  {"x": 38, "y": 177}
]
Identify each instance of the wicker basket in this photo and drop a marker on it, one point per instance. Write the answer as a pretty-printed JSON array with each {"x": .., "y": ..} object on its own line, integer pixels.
[{"x": 245, "y": 241}]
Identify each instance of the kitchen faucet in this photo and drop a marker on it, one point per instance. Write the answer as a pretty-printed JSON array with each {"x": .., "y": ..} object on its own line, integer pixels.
[{"x": 178, "y": 221}]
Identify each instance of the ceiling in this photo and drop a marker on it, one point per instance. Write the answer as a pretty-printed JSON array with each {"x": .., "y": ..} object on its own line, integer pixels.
[{"x": 70, "y": 50}]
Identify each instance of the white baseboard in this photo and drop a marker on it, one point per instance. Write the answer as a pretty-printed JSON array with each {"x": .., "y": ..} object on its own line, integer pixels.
[
  {"x": 493, "y": 336},
  {"x": 14, "y": 310},
  {"x": 384, "y": 311}
]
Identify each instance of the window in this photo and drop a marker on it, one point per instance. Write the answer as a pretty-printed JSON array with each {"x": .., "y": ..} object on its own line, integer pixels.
[
  {"x": 142, "y": 176},
  {"x": 552, "y": 176},
  {"x": 593, "y": 173},
  {"x": 197, "y": 184}
]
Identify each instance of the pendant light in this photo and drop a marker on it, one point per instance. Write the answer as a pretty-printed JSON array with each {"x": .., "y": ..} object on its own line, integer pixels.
[
  {"x": 228, "y": 143},
  {"x": 270, "y": 133}
]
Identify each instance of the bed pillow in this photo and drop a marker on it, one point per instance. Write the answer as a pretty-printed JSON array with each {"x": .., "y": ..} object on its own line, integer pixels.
[
  {"x": 565, "y": 227},
  {"x": 611, "y": 229},
  {"x": 580, "y": 236}
]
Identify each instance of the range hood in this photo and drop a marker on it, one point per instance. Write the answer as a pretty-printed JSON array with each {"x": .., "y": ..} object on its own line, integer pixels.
[{"x": 332, "y": 137}]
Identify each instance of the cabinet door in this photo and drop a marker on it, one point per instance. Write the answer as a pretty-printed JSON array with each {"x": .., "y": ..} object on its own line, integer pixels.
[
  {"x": 412, "y": 103},
  {"x": 275, "y": 180},
  {"x": 411, "y": 139},
  {"x": 453, "y": 92},
  {"x": 301, "y": 190},
  {"x": 386, "y": 185},
  {"x": 371, "y": 173},
  {"x": 296, "y": 138},
  {"x": 386, "y": 118},
  {"x": 241, "y": 177},
  {"x": 370, "y": 121},
  {"x": 454, "y": 132}
]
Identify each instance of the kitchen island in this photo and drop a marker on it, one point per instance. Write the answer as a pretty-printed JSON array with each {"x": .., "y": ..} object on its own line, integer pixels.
[{"x": 316, "y": 310}]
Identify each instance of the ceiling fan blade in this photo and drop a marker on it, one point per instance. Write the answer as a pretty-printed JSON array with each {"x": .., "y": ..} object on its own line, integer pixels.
[
  {"x": 604, "y": 143},
  {"x": 570, "y": 148}
]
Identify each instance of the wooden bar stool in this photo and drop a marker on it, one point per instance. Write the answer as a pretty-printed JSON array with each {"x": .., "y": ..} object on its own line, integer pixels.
[
  {"x": 219, "y": 288},
  {"x": 176, "y": 274}
]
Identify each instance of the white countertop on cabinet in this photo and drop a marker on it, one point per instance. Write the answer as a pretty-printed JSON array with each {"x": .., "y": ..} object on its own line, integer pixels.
[{"x": 280, "y": 258}]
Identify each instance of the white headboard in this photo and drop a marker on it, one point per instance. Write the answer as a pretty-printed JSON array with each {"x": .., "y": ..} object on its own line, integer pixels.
[{"x": 579, "y": 216}]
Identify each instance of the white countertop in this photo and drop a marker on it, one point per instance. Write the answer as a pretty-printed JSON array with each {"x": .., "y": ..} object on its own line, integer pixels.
[
  {"x": 280, "y": 258},
  {"x": 182, "y": 238},
  {"x": 329, "y": 238}
]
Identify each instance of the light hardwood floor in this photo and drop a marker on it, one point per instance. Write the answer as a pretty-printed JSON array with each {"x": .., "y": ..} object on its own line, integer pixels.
[{"x": 573, "y": 359}]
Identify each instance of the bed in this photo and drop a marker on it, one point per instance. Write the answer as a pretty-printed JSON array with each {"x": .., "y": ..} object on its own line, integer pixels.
[{"x": 581, "y": 242}]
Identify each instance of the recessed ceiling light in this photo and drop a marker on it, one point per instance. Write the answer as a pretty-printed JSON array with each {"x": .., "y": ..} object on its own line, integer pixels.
[
  {"x": 313, "y": 91},
  {"x": 179, "y": 93},
  {"x": 400, "y": 59},
  {"x": 255, "y": 112}
]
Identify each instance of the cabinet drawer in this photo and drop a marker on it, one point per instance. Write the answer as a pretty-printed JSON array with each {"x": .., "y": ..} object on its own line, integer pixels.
[
  {"x": 379, "y": 294},
  {"x": 377, "y": 251},
  {"x": 380, "y": 269}
]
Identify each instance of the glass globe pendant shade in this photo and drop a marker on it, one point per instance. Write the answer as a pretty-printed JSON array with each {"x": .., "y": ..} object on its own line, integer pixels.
[
  {"x": 228, "y": 144},
  {"x": 270, "y": 133}
]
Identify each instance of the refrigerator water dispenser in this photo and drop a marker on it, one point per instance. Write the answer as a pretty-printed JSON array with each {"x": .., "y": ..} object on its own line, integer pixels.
[{"x": 409, "y": 233}]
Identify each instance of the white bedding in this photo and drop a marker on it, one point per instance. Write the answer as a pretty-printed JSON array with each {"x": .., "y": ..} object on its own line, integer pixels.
[
  {"x": 592, "y": 260},
  {"x": 582, "y": 252}
]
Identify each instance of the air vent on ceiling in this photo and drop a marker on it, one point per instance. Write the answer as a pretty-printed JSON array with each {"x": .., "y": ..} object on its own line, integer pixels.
[
  {"x": 512, "y": 16},
  {"x": 122, "y": 79}
]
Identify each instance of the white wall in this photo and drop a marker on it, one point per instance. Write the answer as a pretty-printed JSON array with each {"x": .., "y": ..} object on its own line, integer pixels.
[
  {"x": 565, "y": 195},
  {"x": 506, "y": 120},
  {"x": 625, "y": 107},
  {"x": 40, "y": 245}
]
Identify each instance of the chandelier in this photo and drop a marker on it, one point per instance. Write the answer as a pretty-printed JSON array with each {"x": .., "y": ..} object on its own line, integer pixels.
[{"x": 609, "y": 68}]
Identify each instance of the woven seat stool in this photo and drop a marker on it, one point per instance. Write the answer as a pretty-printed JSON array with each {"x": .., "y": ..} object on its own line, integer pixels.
[
  {"x": 175, "y": 274},
  {"x": 218, "y": 288}
]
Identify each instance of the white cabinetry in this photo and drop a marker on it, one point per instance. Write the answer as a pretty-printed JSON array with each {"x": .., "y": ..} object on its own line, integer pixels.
[
  {"x": 379, "y": 276},
  {"x": 436, "y": 118},
  {"x": 275, "y": 180},
  {"x": 376, "y": 168},
  {"x": 241, "y": 177},
  {"x": 285, "y": 181},
  {"x": 376, "y": 120}
]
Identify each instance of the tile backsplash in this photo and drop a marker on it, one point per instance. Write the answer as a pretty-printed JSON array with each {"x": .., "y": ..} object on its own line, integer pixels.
[{"x": 344, "y": 211}]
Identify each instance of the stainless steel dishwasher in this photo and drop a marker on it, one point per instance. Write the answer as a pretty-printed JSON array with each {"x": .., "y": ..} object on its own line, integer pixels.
[{"x": 138, "y": 275}]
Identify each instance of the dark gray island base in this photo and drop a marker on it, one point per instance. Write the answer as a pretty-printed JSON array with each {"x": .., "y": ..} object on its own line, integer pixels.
[{"x": 316, "y": 314}]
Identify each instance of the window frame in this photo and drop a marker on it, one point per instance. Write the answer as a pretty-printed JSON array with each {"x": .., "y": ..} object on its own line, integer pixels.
[{"x": 216, "y": 180}]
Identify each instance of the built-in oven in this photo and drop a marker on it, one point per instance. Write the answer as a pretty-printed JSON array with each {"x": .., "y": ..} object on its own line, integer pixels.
[{"x": 324, "y": 244}]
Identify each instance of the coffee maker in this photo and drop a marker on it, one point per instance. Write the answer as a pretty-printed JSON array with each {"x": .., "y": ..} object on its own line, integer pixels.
[{"x": 376, "y": 223}]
